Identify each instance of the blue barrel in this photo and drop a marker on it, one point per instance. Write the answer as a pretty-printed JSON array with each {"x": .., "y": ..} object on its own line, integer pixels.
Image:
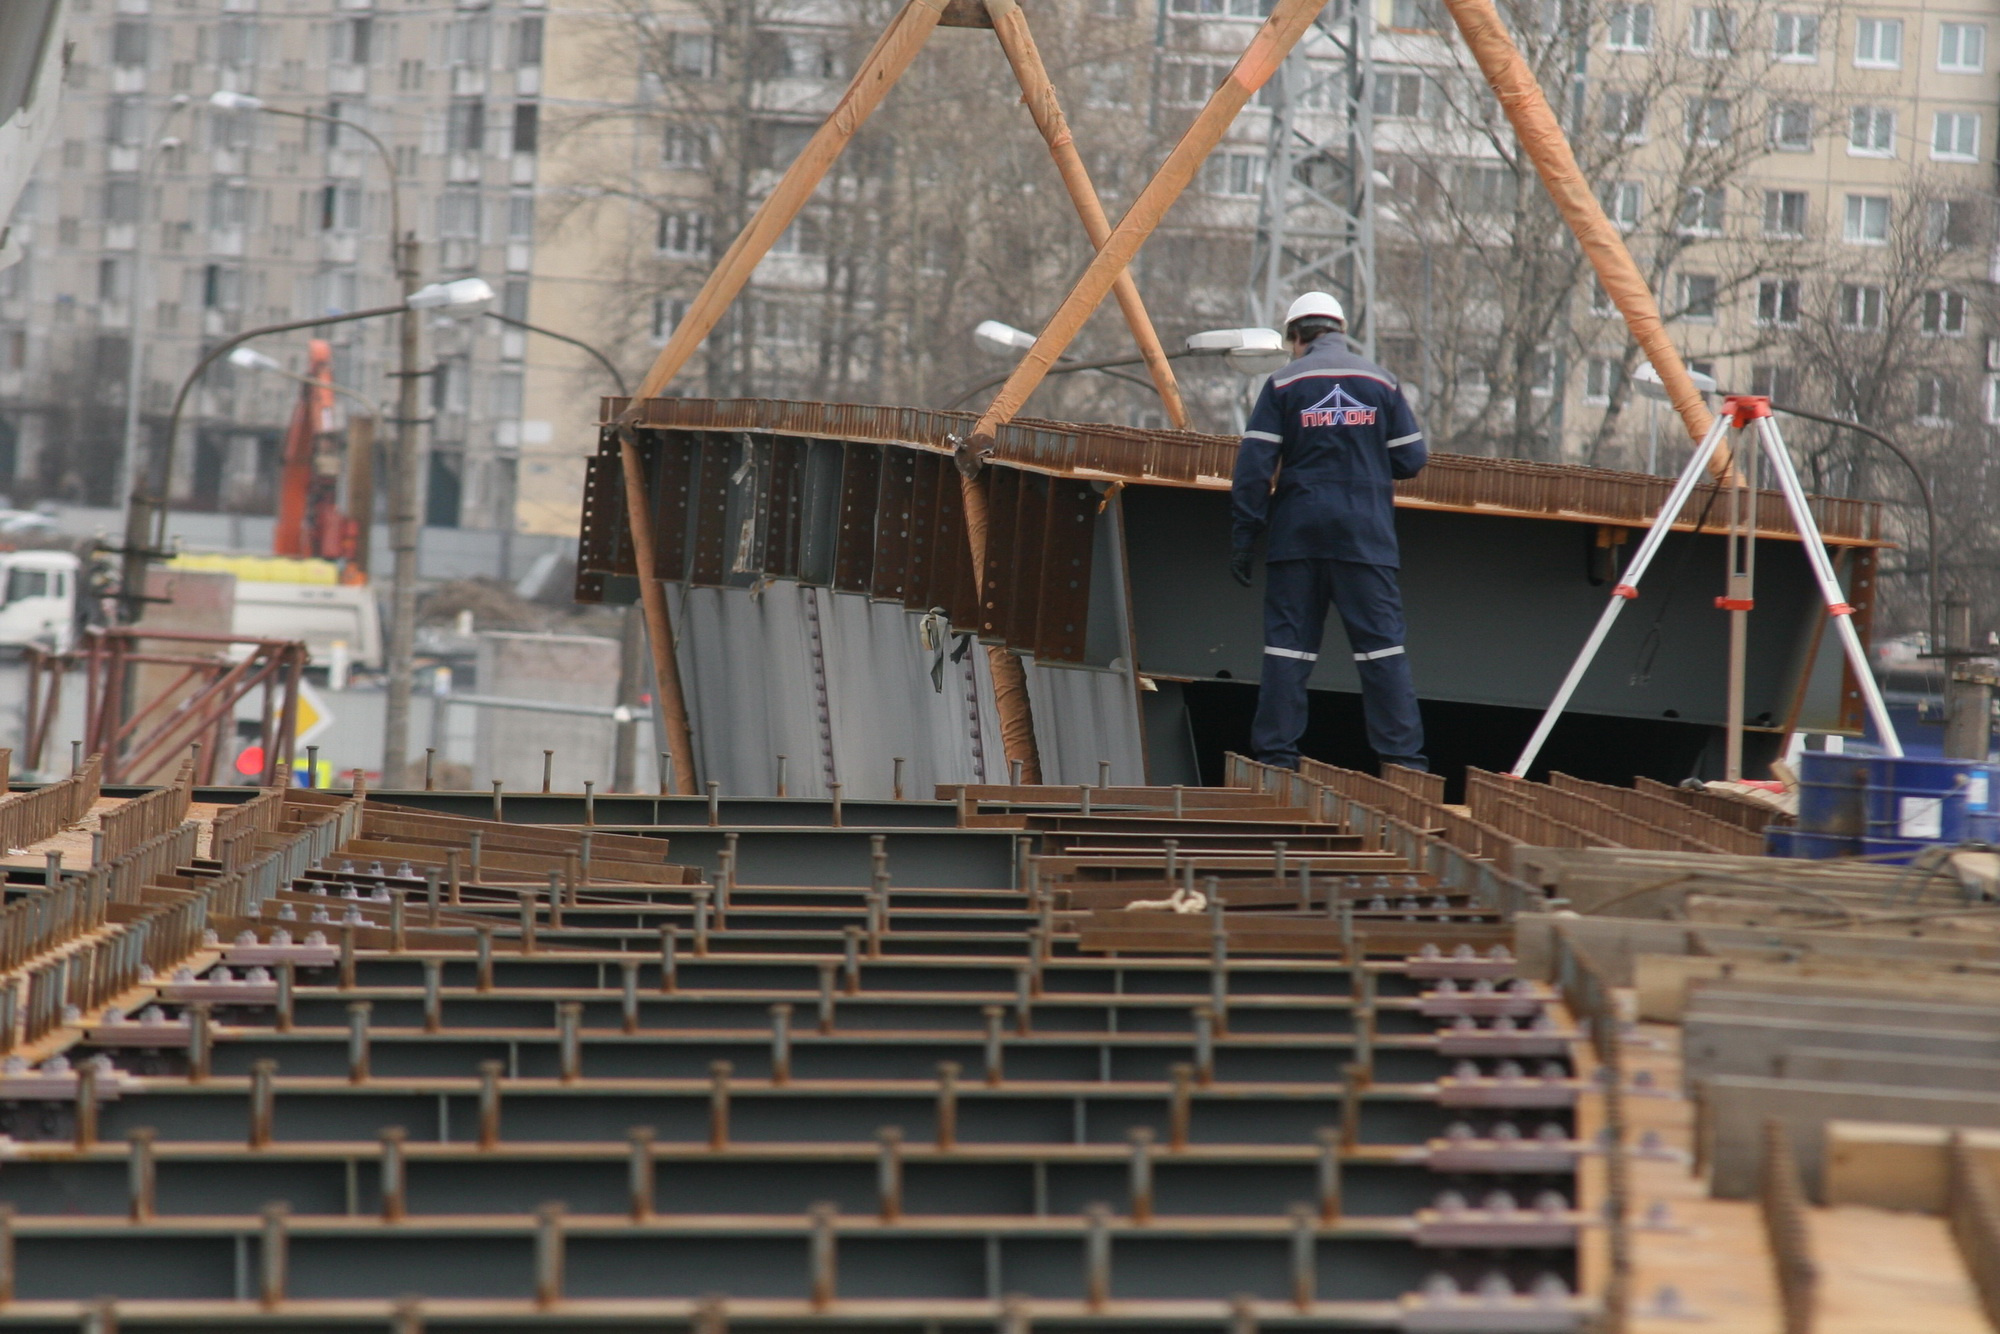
[
  {"x": 1833, "y": 793},
  {"x": 1924, "y": 800}
]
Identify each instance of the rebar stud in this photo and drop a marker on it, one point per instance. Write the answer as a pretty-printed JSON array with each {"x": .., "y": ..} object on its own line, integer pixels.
[
  {"x": 947, "y": 1105},
  {"x": 86, "y": 1104},
  {"x": 1305, "y": 1257},
  {"x": 628, "y": 1000},
  {"x": 395, "y": 1175},
  {"x": 889, "y": 1173},
  {"x": 549, "y": 1254},
  {"x": 824, "y": 1281},
  {"x": 826, "y": 997},
  {"x": 1097, "y": 1257},
  {"x": 994, "y": 1014},
  {"x": 1204, "y": 1045},
  {"x": 273, "y": 1257},
  {"x": 485, "y": 975},
  {"x": 263, "y": 1102},
  {"x": 718, "y": 1104},
  {"x": 433, "y": 995},
  {"x": 569, "y": 1040},
  {"x": 200, "y": 1039},
  {"x": 1142, "y": 1173},
  {"x": 851, "y": 958},
  {"x": 781, "y": 1044},
  {"x": 1329, "y": 1174},
  {"x": 1180, "y": 1106},
  {"x": 639, "y": 1175},
  {"x": 700, "y": 923},
  {"x": 669, "y": 963},
  {"x": 142, "y": 1178},
  {"x": 489, "y": 1103},
  {"x": 357, "y": 1041}
]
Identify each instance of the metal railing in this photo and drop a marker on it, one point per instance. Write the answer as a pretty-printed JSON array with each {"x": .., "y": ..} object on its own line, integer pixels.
[
  {"x": 1450, "y": 481},
  {"x": 29, "y": 817},
  {"x": 133, "y": 823}
]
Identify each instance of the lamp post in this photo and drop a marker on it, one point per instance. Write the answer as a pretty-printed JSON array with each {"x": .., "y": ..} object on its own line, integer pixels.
[
  {"x": 128, "y": 454},
  {"x": 146, "y": 534},
  {"x": 405, "y": 475},
  {"x": 250, "y": 359},
  {"x": 1251, "y": 351}
]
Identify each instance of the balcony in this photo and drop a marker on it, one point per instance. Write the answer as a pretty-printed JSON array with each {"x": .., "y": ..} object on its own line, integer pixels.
[
  {"x": 463, "y": 169},
  {"x": 120, "y": 158},
  {"x": 121, "y": 235},
  {"x": 468, "y": 81},
  {"x": 229, "y": 161},
  {"x": 520, "y": 254},
  {"x": 128, "y": 78},
  {"x": 528, "y": 81},
  {"x": 523, "y": 169},
  {"x": 225, "y": 240},
  {"x": 513, "y": 344},
  {"x": 347, "y": 79},
  {"x": 339, "y": 247}
]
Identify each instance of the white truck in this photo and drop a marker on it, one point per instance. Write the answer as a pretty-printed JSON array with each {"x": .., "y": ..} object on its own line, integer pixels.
[{"x": 40, "y": 599}]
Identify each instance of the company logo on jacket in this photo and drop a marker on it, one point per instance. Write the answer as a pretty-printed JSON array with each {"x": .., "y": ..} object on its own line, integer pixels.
[{"x": 1338, "y": 408}]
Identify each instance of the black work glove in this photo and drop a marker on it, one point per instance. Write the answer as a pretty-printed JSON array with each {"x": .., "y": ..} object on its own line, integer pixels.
[{"x": 1240, "y": 566}]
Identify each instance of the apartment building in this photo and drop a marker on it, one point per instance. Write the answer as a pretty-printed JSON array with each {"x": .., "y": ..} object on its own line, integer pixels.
[{"x": 160, "y": 221}]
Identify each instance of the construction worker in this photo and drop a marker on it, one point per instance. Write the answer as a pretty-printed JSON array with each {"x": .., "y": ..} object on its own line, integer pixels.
[{"x": 1330, "y": 433}]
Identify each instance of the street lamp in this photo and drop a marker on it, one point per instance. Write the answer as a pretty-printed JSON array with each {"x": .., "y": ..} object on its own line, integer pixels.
[
  {"x": 405, "y": 476},
  {"x": 1249, "y": 351},
  {"x": 250, "y": 359},
  {"x": 146, "y": 532},
  {"x": 128, "y": 454}
]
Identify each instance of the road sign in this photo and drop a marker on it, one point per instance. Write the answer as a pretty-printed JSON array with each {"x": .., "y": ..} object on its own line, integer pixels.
[{"x": 315, "y": 716}]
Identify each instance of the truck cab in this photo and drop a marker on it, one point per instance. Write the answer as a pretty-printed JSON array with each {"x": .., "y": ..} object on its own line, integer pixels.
[{"x": 38, "y": 599}]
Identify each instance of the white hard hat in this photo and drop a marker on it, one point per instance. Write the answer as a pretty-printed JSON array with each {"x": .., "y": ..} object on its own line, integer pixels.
[{"x": 1321, "y": 305}]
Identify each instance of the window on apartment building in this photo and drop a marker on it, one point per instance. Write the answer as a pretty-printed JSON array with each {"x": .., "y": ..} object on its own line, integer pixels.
[
  {"x": 783, "y": 324},
  {"x": 340, "y": 136},
  {"x": 668, "y": 312},
  {"x": 1624, "y": 115},
  {"x": 1417, "y": 15},
  {"x": 1600, "y": 378},
  {"x": 459, "y": 214},
  {"x": 469, "y": 41},
  {"x": 1778, "y": 303},
  {"x": 1871, "y": 132},
  {"x": 339, "y": 291},
  {"x": 1780, "y": 384},
  {"x": 121, "y": 199},
  {"x": 1630, "y": 28},
  {"x": 505, "y": 389},
  {"x": 1785, "y": 213},
  {"x": 221, "y": 287},
  {"x": 465, "y": 125},
  {"x": 691, "y": 55},
  {"x": 805, "y": 236},
  {"x": 1111, "y": 9},
  {"x": 1233, "y": 175},
  {"x": 231, "y": 131},
  {"x": 1625, "y": 204},
  {"x": 1866, "y": 221},
  {"x": 1792, "y": 126},
  {"x": 114, "y": 278},
  {"x": 521, "y": 216},
  {"x": 228, "y": 204},
  {"x": 236, "y": 43},
  {"x": 1600, "y": 300},
  {"x": 1108, "y": 83},
  {"x": 1955, "y": 136},
  {"x": 1702, "y": 211},
  {"x": 1993, "y": 399},
  {"x": 685, "y": 146},
  {"x": 1708, "y": 120},
  {"x": 683, "y": 234},
  {"x": 129, "y": 42},
  {"x": 1697, "y": 295},
  {"x": 1944, "y": 314},
  {"x": 340, "y": 208},
  {"x": 528, "y": 43},
  {"x": 527, "y": 126},
  {"x": 1950, "y": 224},
  {"x": 1399, "y": 94},
  {"x": 1188, "y": 83},
  {"x": 1861, "y": 307},
  {"x": 125, "y": 122},
  {"x": 1961, "y": 48},
  {"x": 1878, "y": 43},
  {"x": 1711, "y": 32},
  {"x": 514, "y": 299},
  {"x": 1795, "y": 38},
  {"x": 1485, "y": 188},
  {"x": 1937, "y": 400},
  {"x": 353, "y": 41},
  {"x": 410, "y": 76}
]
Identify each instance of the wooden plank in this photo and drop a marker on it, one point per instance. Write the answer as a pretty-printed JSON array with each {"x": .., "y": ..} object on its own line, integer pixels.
[
  {"x": 1756, "y": 1044},
  {"x": 1662, "y": 980},
  {"x": 1893, "y": 1166},
  {"x": 1735, "y": 1108},
  {"x": 1883, "y": 1271},
  {"x": 1835, "y": 1065}
]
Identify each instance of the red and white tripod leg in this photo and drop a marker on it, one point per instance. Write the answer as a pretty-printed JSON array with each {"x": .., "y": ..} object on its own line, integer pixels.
[
  {"x": 1625, "y": 591},
  {"x": 1829, "y": 583}
]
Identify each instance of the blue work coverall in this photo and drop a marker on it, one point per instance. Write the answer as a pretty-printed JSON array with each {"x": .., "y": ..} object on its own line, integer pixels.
[{"x": 1336, "y": 431}]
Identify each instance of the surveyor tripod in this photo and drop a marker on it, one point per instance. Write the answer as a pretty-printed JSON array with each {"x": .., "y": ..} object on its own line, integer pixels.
[{"x": 1744, "y": 412}]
